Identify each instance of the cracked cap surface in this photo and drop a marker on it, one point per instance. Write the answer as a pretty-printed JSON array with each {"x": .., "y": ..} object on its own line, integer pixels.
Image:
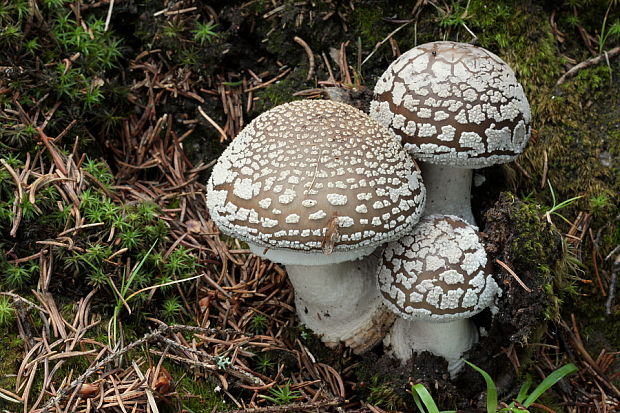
[
  {"x": 315, "y": 176},
  {"x": 437, "y": 272},
  {"x": 454, "y": 104}
]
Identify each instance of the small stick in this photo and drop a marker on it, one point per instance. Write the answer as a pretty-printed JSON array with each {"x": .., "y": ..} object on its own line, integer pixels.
[
  {"x": 612, "y": 285},
  {"x": 293, "y": 407},
  {"x": 303, "y": 44},
  {"x": 389, "y": 36},
  {"x": 514, "y": 275},
  {"x": 213, "y": 123},
  {"x": 270, "y": 81},
  {"x": 154, "y": 335},
  {"x": 55, "y": 156},
  {"x": 332, "y": 79},
  {"x": 543, "y": 180},
  {"x": 587, "y": 63},
  {"x": 595, "y": 255},
  {"x": 522, "y": 170}
]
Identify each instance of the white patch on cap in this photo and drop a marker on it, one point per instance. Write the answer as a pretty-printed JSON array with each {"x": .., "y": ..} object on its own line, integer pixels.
[
  {"x": 320, "y": 214},
  {"x": 292, "y": 219},
  {"x": 287, "y": 197},
  {"x": 245, "y": 188},
  {"x": 264, "y": 203},
  {"x": 337, "y": 199},
  {"x": 309, "y": 203}
]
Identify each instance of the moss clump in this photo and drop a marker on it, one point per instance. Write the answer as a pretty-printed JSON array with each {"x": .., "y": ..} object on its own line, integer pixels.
[
  {"x": 517, "y": 234},
  {"x": 369, "y": 25},
  {"x": 280, "y": 92},
  {"x": 580, "y": 150},
  {"x": 194, "y": 394},
  {"x": 57, "y": 56},
  {"x": 11, "y": 352}
]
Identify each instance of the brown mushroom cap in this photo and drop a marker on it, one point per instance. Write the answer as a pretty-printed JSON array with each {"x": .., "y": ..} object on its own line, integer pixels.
[
  {"x": 315, "y": 176},
  {"x": 454, "y": 104},
  {"x": 438, "y": 272}
]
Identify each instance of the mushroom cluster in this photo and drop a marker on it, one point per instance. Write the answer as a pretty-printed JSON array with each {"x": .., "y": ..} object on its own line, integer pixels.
[
  {"x": 317, "y": 185},
  {"x": 335, "y": 195}
]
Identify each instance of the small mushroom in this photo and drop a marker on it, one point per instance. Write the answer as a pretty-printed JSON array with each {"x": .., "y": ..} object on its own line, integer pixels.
[
  {"x": 456, "y": 107},
  {"x": 317, "y": 186},
  {"x": 435, "y": 279}
]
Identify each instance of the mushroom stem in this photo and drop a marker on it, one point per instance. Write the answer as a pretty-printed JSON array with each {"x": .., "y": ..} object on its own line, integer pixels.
[
  {"x": 341, "y": 302},
  {"x": 448, "y": 191},
  {"x": 448, "y": 339}
]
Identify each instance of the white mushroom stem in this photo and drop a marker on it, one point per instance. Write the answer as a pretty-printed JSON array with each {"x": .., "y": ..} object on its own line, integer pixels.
[
  {"x": 336, "y": 295},
  {"x": 446, "y": 339},
  {"x": 341, "y": 302},
  {"x": 448, "y": 191}
]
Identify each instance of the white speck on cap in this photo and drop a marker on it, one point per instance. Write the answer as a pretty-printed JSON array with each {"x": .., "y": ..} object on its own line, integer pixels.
[
  {"x": 312, "y": 171},
  {"x": 460, "y": 90},
  {"x": 419, "y": 281}
]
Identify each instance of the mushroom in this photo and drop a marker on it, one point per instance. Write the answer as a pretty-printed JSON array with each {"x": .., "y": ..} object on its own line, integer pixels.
[
  {"x": 435, "y": 279},
  {"x": 317, "y": 185},
  {"x": 456, "y": 107}
]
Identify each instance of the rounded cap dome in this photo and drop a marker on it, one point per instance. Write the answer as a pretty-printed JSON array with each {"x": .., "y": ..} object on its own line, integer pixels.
[
  {"x": 438, "y": 272},
  {"x": 315, "y": 176},
  {"x": 454, "y": 104}
]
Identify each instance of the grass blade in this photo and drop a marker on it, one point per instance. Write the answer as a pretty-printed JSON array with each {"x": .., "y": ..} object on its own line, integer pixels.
[
  {"x": 134, "y": 271},
  {"x": 419, "y": 392},
  {"x": 491, "y": 389},
  {"x": 549, "y": 381},
  {"x": 524, "y": 388}
]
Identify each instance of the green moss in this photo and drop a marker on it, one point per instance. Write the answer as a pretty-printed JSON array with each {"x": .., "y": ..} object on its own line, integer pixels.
[
  {"x": 538, "y": 246},
  {"x": 196, "y": 394},
  {"x": 11, "y": 351},
  {"x": 384, "y": 395},
  {"x": 369, "y": 25},
  {"x": 280, "y": 92}
]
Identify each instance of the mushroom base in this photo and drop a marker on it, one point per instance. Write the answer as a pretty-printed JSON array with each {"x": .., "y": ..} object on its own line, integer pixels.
[
  {"x": 446, "y": 339},
  {"x": 448, "y": 191},
  {"x": 341, "y": 302}
]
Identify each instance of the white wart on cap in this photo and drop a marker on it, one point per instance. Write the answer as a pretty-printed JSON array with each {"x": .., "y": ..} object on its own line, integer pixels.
[
  {"x": 454, "y": 104},
  {"x": 315, "y": 177},
  {"x": 439, "y": 272}
]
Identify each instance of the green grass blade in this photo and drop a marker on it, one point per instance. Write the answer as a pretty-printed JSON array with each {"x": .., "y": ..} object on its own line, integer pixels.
[
  {"x": 567, "y": 202},
  {"x": 153, "y": 287},
  {"x": 491, "y": 389},
  {"x": 524, "y": 388},
  {"x": 268, "y": 398},
  {"x": 134, "y": 271},
  {"x": 552, "y": 193},
  {"x": 549, "y": 381},
  {"x": 419, "y": 392}
]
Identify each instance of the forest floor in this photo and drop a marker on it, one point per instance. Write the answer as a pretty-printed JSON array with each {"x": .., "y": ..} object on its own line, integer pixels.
[{"x": 117, "y": 292}]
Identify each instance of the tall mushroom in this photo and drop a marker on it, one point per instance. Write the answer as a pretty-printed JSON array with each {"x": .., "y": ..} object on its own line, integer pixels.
[
  {"x": 317, "y": 185},
  {"x": 435, "y": 279},
  {"x": 456, "y": 107}
]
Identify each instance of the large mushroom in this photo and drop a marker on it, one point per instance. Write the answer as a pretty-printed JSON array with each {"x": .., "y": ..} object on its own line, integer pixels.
[
  {"x": 317, "y": 185},
  {"x": 456, "y": 107},
  {"x": 435, "y": 279}
]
